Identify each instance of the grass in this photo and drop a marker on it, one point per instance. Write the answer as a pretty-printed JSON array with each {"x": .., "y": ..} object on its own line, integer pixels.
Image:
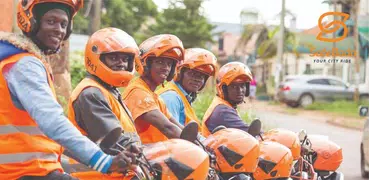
[
  {"x": 342, "y": 107},
  {"x": 274, "y": 102},
  {"x": 204, "y": 100},
  {"x": 292, "y": 111}
]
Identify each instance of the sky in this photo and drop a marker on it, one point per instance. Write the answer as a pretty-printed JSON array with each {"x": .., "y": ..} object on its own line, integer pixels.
[{"x": 307, "y": 11}]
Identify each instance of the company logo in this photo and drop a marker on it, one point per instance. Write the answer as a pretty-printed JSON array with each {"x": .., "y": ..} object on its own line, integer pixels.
[{"x": 332, "y": 27}]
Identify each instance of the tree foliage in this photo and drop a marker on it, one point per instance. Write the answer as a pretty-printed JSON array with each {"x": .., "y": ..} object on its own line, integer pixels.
[
  {"x": 266, "y": 44},
  {"x": 185, "y": 19},
  {"x": 127, "y": 15}
]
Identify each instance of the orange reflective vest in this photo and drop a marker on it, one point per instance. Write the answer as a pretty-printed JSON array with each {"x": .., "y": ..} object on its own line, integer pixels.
[
  {"x": 216, "y": 101},
  {"x": 189, "y": 112},
  {"x": 25, "y": 150},
  {"x": 151, "y": 134},
  {"x": 121, "y": 112}
]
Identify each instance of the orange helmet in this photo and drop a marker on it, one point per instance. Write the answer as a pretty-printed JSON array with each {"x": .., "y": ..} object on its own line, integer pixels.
[
  {"x": 26, "y": 17},
  {"x": 199, "y": 59},
  {"x": 275, "y": 161},
  {"x": 232, "y": 155},
  {"x": 232, "y": 72},
  {"x": 178, "y": 159},
  {"x": 286, "y": 138},
  {"x": 110, "y": 40},
  {"x": 163, "y": 45},
  {"x": 328, "y": 154}
]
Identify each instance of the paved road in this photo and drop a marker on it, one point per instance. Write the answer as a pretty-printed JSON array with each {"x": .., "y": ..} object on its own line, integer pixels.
[{"x": 349, "y": 140}]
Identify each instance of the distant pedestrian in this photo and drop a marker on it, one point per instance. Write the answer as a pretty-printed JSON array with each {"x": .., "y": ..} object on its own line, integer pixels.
[{"x": 253, "y": 87}]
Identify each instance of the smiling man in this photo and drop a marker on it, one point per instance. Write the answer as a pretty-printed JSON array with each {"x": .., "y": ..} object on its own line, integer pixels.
[
  {"x": 233, "y": 84},
  {"x": 33, "y": 127},
  {"x": 191, "y": 77},
  {"x": 95, "y": 106},
  {"x": 159, "y": 56}
]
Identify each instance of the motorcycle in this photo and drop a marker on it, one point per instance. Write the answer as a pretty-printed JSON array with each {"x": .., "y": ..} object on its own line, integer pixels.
[
  {"x": 323, "y": 154},
  {"x": 174, "y": 159}
]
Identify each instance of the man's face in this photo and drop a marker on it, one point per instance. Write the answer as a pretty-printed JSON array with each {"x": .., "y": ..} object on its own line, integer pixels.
[
  {"x": 160, "y": 69},
  {"x": 53, "y": 28},
  {"x": 117, "y": 61},
  {"x": 193, "y": 80},
  {"x": 236, "y": 92}
]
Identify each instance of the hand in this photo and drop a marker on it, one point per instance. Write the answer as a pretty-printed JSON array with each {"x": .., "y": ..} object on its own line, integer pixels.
[
  {"x": 134, "y": 148},
  {"x": 123, "y": 162}
]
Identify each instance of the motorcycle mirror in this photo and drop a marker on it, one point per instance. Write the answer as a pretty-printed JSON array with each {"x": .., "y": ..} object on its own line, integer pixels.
[
  {"x": 240, "y": 177},
  {"x": 302, "y": 135},
  {"x": 218, "y": 129},
  {"x": 255, "y": 127},
  {"x": 363, "y": 110},
  {"x": 190, "y": 131}
]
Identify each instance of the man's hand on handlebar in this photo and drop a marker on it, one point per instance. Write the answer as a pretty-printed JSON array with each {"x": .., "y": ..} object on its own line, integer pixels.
[{"x": 125, "y": 160}]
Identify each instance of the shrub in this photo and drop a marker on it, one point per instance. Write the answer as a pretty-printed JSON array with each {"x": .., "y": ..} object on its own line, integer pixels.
[
  {"x": 77, "y": 68},
  {"x": 203, "y": 102}
]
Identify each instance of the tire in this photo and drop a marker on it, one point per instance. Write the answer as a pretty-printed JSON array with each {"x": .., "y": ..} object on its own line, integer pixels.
[
  {"x": 305, "y": 100},
  {"x": 336, "y": 176},
  {"x": 364, "y": 174}
]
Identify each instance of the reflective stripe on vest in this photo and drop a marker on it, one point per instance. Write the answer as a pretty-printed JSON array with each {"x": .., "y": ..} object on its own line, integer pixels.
[
  {"x": 23, "y": 157},
  {"x": 24, "y": 149},
  {"x": 70, "y": 165},
  {"x": 31, "y": 130}
]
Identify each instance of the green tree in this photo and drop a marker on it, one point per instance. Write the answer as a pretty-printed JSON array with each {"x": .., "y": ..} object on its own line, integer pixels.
[
  {"x": 185, "y": 19},
  {"x": 80, "y": 23},
  {"x": 127, "y": 15}
]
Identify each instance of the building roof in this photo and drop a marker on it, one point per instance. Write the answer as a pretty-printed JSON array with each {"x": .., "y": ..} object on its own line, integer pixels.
[{"x": 234, "y": 28}]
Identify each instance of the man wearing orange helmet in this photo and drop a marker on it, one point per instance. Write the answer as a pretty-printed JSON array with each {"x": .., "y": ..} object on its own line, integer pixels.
[
  {"x": 96, "y": 107},
  {"x": 199, "y": 64},
  {"x": 159, "y": 56},
  {"x": 32, "y": 123},
  {"x": 232, "y": 86}
]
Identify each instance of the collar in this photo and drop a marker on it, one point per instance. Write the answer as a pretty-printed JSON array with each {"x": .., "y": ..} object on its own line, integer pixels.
[
  {"x": 110, "y": 88},
  {"x": 181, "y": 88},
  {"x": 190, "y": 98}
]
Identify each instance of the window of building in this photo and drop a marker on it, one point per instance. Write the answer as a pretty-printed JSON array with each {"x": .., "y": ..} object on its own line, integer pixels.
[{"x": 221, "y": 44}]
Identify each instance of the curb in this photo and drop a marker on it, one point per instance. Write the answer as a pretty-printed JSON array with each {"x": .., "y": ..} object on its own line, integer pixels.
[{"x": 334, "y": 123}]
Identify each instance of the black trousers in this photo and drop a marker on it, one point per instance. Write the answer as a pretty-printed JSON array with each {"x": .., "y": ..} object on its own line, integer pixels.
[{"x": 55, "y": 175}]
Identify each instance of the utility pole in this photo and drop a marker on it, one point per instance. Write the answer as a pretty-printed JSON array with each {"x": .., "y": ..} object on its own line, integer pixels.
[
  {"x": 95, "y": 21},
  {"x": 334, "y": 37},
  {"x": 355, "y": 14},
  {"x": 280, "y": 50}
]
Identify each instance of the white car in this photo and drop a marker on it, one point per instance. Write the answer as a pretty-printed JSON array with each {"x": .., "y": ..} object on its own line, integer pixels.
[
  {"x": 364, "y": 145},
  {"x": 303, "y": 90}
]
